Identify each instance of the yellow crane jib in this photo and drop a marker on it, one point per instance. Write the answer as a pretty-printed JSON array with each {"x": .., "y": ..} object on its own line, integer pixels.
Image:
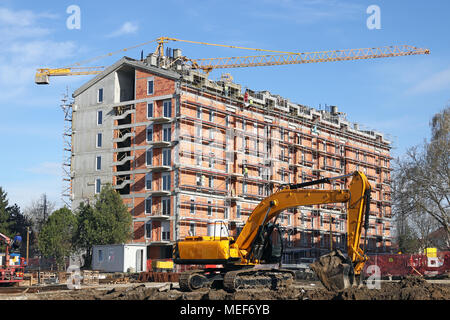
[{"x": 207, "y": 65}]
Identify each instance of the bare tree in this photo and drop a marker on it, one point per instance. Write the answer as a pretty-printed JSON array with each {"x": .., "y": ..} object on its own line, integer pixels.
[
  {"x": 422, "y": 177},
  {"x": 39, "y": 211}
]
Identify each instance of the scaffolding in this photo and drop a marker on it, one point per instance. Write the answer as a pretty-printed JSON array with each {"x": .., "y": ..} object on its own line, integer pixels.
[{"x": 66, "y": 193}]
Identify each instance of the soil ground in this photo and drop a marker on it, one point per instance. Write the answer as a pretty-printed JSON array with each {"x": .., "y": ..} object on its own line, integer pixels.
[{"x": 411, "y": 288}]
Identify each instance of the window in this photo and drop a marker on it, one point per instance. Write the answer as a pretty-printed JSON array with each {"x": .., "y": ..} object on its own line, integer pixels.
[
  {"x": 166, "y": 157},
  {"x": 148, "y": 205},
  {"x": 199, "y": 179},
  {"x": 198, "y": 130},
  {"x": 167, "y": 133},
  {"x": 99, "y": 117},
  {"x": 98, "y": 163},
  {"x": 209, "y": 208},
  {"x": 244, "y": 187},
  {"x": 211, "y": 162},
  {"x": 100, "y": 95},
  {"x": 244, "y": 125},
  {"x": 166, "y": 181},
  {"x": 165, "y": 230},
  {"x": 198, "y": 160},
  {"x": 99, "y": 140},
  {"x": 150, "y": 86},
  {"x": 100, "y": 255},
  {"x": 167, "y": 108},
  {"x": 150, "y": 110},
  {"x": 199, "y": 112},
  {"x": 148, "y": 181},
  {"x": 166, "y": 206},
  {"x": 211, "y": 116},
  {"x": 211, "y": 182},
  {"x": 150, "y": 133},
  {"x": 98, "y": 185},
  {"x": 192, "y": 229},
  {"x": 238, "y": 211},
  {"x": 148, "y": 230},
  {"x": 149, "y": 157},
  {"x": 227, "y": 121},
  {"x": 211, "y": 133},
  {"x": 225, "y": 213},
  {"x": 192, "y": 208}
]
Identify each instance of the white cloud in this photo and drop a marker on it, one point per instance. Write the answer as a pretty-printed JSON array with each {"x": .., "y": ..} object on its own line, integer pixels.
[
  {"x": 436, "y": 82},
  {"x": 47, "y": 168},
  {"x": 127, "y": 28},
  {"x": 24, "y": 47}
]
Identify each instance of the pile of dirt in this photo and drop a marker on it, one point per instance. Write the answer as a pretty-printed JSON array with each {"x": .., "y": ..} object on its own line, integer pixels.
[{"x": 410, "y": 288}]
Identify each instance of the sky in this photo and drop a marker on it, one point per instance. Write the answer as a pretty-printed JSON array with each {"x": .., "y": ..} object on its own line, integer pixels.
[{"x": 395, "y": 96}]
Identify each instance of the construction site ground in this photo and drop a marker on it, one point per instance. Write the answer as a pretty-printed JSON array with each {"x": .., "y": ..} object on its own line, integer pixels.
[{"x": 410, "y": 288}]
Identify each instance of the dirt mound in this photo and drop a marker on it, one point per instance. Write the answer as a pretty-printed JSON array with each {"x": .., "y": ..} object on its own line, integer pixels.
[{"x": 410, "y": 288}]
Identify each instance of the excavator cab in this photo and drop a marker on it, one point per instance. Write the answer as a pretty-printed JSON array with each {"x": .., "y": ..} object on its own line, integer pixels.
[{"x": 268, "y": 245}]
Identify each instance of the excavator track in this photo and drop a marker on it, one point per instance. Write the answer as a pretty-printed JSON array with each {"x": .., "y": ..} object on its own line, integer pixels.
[
  {"x": 272, "y": 279},
  {"x": 192, "y": 280}
]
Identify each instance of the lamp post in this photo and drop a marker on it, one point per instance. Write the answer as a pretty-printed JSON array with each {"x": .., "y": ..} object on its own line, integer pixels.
[{"x": 28, "y": 242}]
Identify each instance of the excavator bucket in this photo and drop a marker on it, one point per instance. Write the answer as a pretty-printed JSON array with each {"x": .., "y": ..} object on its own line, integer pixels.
[{"x": 335, "y": 271}]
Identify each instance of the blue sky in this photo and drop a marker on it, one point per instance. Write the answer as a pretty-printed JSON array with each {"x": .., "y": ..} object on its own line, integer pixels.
[{"x": 396, "y": 96}]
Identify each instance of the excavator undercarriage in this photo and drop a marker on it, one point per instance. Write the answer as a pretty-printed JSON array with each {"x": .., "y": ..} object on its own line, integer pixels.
[{"x": 235, "y": 280}]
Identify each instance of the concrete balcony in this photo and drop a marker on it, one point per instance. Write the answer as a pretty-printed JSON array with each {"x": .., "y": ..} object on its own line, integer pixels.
[
  {"x": 159, "y": 167},
  {"x": 158, "y": 215},
  {"x": 158, "y": 193},
  {"x": 160, "y": 119},
  {"x": 160, "y": 144}
]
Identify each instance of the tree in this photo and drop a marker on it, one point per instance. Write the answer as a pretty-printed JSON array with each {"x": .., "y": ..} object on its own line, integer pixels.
[
  {"x": 5, "y": 214},
  {"x": 106, "y": 222},
  {"x": 56, "y": 237},
  {"x": 21, "y": 224},
  {"x": 39, "y": 211},
  {"x": 422, "y": 177}
]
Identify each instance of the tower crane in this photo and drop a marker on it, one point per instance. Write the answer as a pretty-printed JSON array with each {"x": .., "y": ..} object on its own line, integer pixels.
[{"x": 208, "y": 64}]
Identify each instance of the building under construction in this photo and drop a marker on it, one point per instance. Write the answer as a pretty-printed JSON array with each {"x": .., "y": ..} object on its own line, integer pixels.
[{"x": 189, "y": 155}]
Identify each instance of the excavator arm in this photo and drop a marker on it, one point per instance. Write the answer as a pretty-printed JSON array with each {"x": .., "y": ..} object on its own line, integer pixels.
[{"x": 293, "y": 196}]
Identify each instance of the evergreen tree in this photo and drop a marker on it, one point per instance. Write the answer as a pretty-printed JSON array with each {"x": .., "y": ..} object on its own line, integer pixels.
[
  {"x": 56, "y": 237},
  {"x": 106, "y": 222},
  {"x": 5, "y": 219}
]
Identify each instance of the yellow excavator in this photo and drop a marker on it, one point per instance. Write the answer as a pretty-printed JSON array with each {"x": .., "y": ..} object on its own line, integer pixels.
[{"x": 253, "y": 259}]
